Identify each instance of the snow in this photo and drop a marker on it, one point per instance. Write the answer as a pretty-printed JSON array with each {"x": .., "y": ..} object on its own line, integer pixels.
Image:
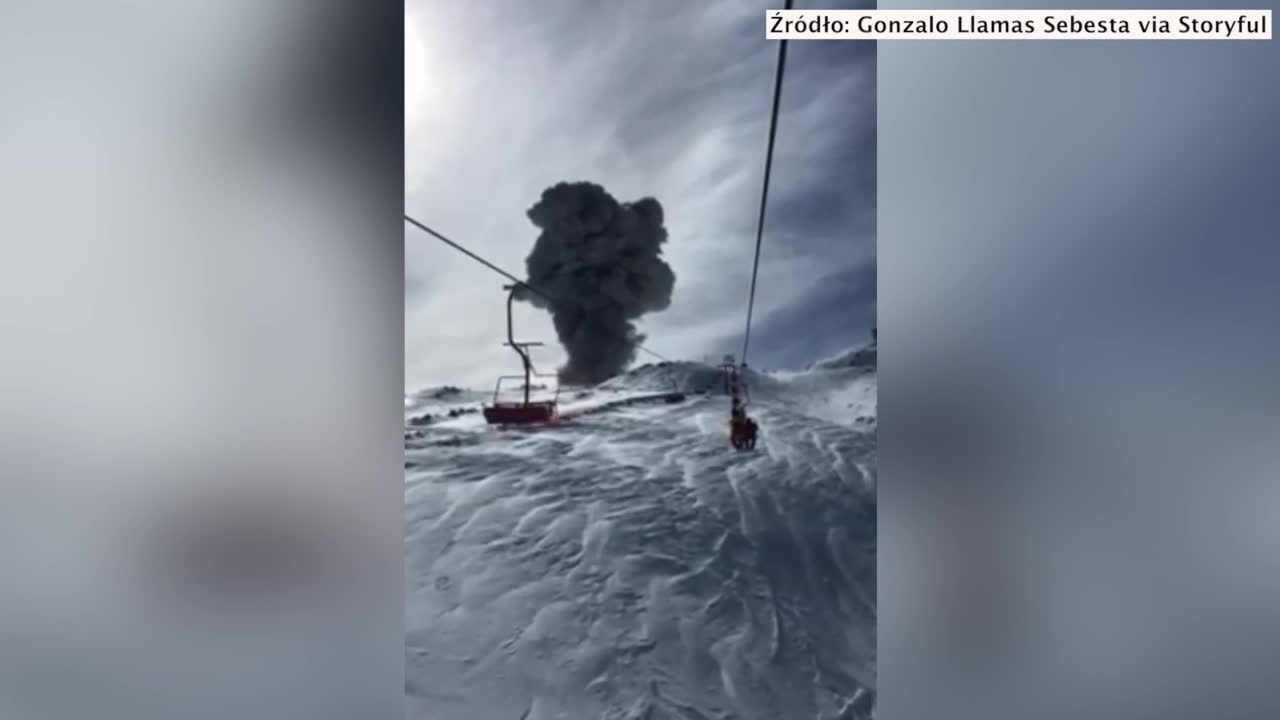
[
  {"x": 441, "y": 399},
  {"x": 629, "y": 564}
]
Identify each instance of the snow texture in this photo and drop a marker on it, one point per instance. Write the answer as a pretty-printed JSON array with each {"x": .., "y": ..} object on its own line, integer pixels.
[{"x": 628, "y": 564}]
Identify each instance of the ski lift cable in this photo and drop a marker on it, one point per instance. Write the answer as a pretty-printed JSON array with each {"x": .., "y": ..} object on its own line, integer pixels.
[
  {"x": 764, "y": 191},
  {"x": 547, "y": 296}
]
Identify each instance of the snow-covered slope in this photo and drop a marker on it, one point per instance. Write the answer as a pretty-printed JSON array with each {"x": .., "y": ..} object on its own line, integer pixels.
[
  {"x": 437, "y": 400},
  {"x": 861, "y": 358},
  {"x": 842, "y": 389},
  {"x": 629, "y": 564}
]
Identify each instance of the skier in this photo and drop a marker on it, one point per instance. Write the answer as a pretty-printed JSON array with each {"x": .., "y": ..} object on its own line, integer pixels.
[{"x": 742, "y": 429}]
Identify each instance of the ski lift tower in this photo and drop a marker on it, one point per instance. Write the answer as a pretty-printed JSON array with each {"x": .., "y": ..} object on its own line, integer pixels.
[{"x": 729, "y": 367}]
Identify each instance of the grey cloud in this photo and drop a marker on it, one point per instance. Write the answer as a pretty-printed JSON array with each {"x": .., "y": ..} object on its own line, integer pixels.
[{"x": 601, "y": 263}]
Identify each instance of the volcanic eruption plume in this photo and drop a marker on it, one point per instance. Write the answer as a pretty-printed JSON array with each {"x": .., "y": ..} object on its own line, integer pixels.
[{"x": 600, "y": 261}]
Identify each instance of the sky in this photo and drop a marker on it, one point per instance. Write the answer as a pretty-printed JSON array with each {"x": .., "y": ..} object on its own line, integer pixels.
[{"x": 663, "y": 99}]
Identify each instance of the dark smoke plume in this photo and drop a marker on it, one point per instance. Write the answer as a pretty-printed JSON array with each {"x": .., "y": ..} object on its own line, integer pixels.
[{"x": 601, "y": 262}]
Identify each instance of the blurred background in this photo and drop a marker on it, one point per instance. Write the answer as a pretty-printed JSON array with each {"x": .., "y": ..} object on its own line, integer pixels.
[
  {"x": 200, "y": 304},
  {"x": 1078, "y": 401}
]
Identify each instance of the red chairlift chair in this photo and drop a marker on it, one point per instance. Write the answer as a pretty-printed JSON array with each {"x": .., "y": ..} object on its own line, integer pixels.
[{"x": 525, "y": 412}]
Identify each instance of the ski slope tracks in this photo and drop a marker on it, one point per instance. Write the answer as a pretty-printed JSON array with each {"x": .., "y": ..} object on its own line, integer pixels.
[{"x": 627, "y": 564}]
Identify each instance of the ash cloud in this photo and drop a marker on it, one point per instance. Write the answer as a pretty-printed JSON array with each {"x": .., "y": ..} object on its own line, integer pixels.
[{"x": 601, "y": 261}]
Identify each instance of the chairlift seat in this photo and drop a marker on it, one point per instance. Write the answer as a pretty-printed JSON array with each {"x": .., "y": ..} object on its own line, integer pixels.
[
  {"x": 527, "y": 412},
  {"x": 520, "y": 413}
]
